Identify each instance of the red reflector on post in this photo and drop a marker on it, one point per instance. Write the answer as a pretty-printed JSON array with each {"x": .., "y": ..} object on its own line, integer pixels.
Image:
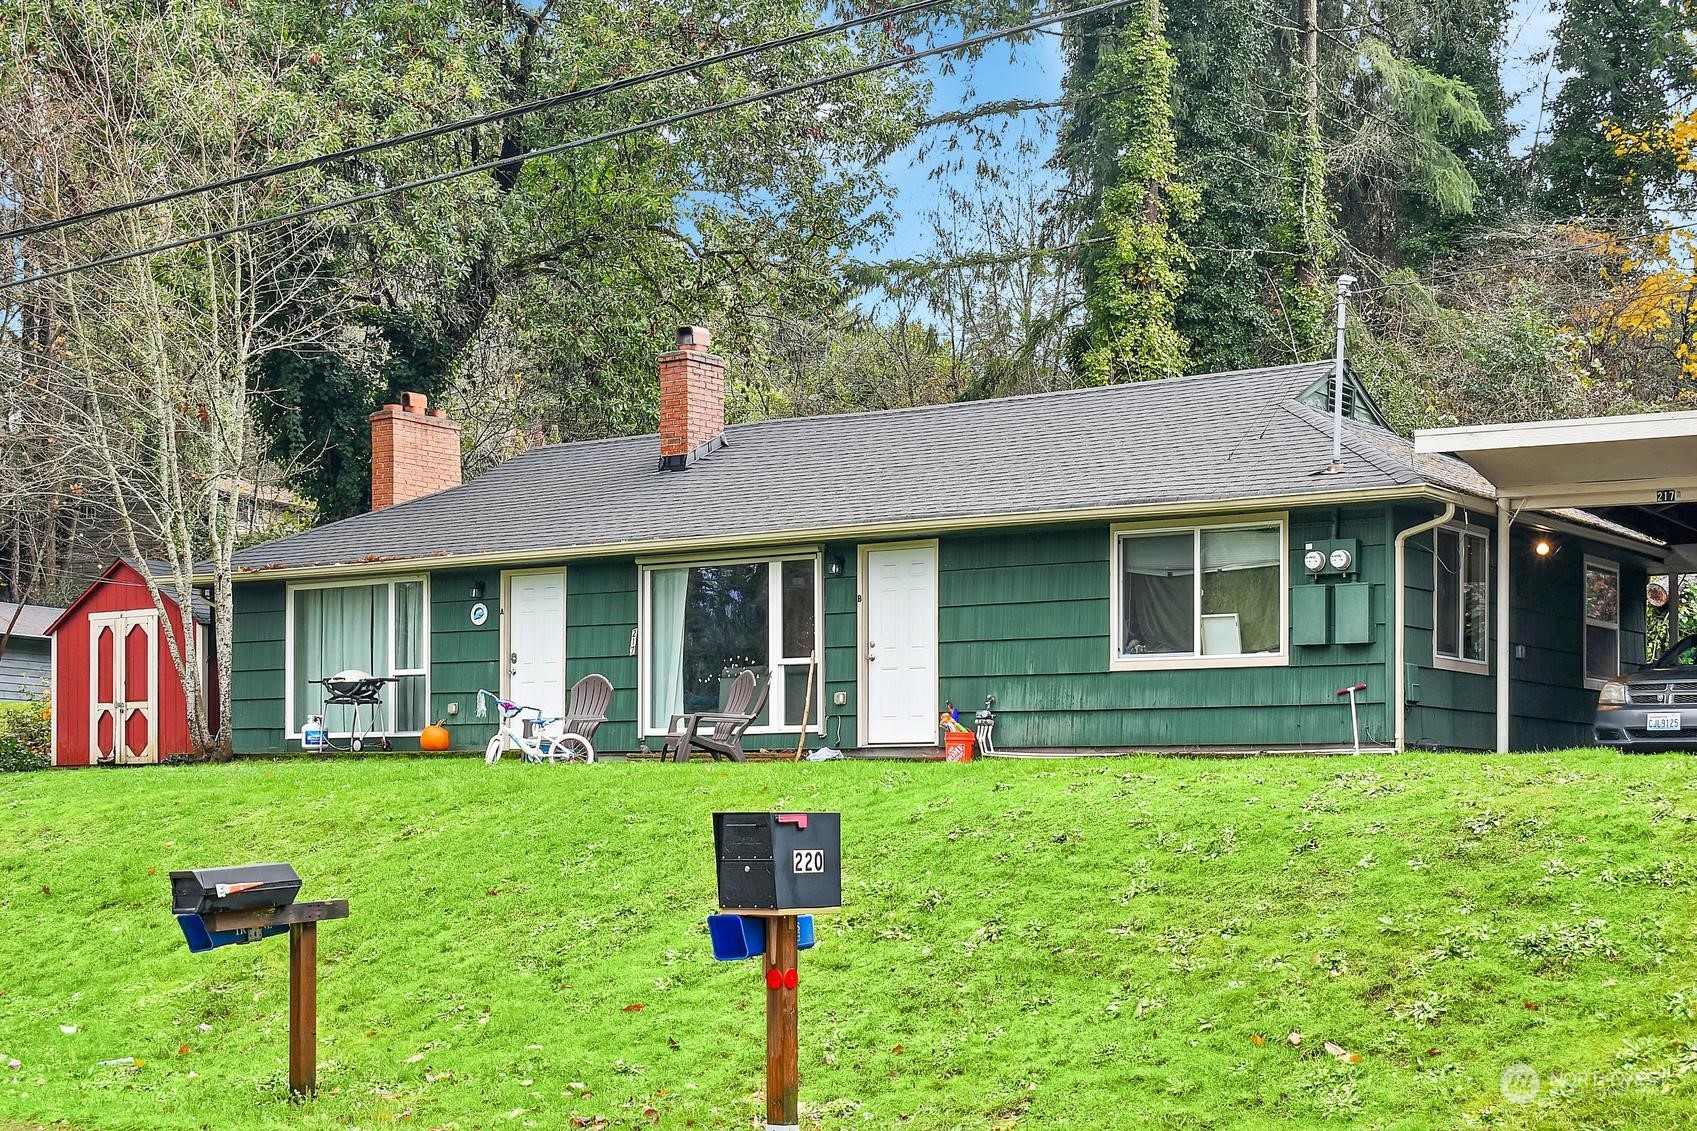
[
  {"x": 790, "y": 979},
  {"x": 774, "y": 977}
]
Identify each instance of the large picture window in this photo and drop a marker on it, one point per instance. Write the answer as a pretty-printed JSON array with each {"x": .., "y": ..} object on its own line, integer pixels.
[
  {"x": 379, "y": 628},
  {"x": 1461, "y": 597},
  {"x": 1602, "y": 621},
  {"x": 706, "y": 624},
  {"x": 1200, "y": 595}
]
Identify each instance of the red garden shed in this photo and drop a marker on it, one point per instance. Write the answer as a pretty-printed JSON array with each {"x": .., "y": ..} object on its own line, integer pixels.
[{"x": 116, "y": 695}]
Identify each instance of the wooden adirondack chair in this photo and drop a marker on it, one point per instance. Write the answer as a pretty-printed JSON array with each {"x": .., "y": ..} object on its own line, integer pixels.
[
  {"x": 573, "y": 737},
  {"x": 719, "y": 733}
]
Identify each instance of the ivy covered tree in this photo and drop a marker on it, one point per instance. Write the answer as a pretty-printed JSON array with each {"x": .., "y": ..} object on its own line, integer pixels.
[{"x": 1122, "y": 155}]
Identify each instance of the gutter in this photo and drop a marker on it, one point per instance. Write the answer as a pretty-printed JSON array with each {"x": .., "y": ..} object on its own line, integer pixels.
[{"x": 1399, "y": 673}]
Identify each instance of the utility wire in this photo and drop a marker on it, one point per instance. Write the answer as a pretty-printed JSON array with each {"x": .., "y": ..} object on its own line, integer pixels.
[
  {"x": 467, "y": 123},
  {"x": 576, "y": 143}
]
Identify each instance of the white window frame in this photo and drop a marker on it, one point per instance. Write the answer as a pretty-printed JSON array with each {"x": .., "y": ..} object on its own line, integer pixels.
[
  {"x": 1607, "y": 566},
  {"x": 776, "y": 661},
  {"x": 1122, "y": 662},
  {"x": 291, "y": 725},
  {"x": 1466, "y": 534}
]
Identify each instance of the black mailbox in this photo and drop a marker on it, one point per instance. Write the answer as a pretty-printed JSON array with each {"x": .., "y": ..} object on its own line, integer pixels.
[
  {"x": 247, "y": 887},
  {"x": 779, "y": 861}
]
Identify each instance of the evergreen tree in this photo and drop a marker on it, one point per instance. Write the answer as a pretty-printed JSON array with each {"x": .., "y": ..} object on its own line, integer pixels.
[{"x": 1630, "y": 62}]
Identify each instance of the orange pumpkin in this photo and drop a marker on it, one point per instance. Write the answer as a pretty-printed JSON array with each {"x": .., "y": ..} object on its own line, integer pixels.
[{"x": 435, "y": 737}]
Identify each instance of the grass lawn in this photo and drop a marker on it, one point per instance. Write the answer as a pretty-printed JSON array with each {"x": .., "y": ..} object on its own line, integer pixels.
[{"x": 1086, "y": 944}]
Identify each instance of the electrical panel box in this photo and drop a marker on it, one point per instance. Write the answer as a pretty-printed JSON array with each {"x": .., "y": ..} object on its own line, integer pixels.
[
  {"x": 1310, "y": 614},
  {"x": 1352, "y": 613}
]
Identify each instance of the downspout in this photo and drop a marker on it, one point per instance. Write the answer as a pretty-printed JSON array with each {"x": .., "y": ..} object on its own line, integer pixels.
[
  {"x": 1505, "y": 520},
  {"x": 1399, "y": 600}
]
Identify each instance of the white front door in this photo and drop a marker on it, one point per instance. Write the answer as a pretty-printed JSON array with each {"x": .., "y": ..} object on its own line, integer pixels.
[
  {"x": 901, "y": 646},
  {"x": 124, "y": 687},
  {"x": 536, "y": 640}
]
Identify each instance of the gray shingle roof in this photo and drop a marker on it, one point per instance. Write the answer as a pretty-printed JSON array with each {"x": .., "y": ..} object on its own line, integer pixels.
[
  {"x": 32, "y": 621},
  {"x": 1209, "y": 438}
]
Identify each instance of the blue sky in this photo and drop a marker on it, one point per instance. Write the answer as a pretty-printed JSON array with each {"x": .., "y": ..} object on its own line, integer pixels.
[{"x": 1033, "y": 70}]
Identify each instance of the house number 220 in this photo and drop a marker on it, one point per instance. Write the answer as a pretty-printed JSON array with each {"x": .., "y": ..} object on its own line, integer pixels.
[{"x": 809, "y": 861}]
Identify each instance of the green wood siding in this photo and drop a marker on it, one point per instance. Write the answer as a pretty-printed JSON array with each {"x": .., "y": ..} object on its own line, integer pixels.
[
  {"x": 841, "y": 653},
  {"x": 600, "y": 625},
  {"x": 464, "y": 657},
  {"x": 258, "y": 632},
  {"x": 1551, "y": 705},
  {"x": 1025, "y": 616}
]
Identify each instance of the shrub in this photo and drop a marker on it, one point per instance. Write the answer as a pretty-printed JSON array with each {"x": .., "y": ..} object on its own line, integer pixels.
[
  {"x": 26, "y": 735},
  {"x": 16, "y": 758}
]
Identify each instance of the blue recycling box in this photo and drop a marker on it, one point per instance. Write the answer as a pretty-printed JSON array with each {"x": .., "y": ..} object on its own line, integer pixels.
[{"x": 736, "y": 937}]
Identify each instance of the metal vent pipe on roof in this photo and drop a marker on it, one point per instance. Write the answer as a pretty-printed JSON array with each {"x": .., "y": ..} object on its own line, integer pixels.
[{"x": 1344, "y": 282}]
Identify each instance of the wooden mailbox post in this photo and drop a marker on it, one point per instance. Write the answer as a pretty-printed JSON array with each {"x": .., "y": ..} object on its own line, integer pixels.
[
  {"x": 229, "y": 906},
  {"x": 302, "y": 920},
  {"x": 771, "y": 867}
]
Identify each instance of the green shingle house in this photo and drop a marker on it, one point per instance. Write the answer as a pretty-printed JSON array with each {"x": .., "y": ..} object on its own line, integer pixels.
[{"x": 1174, "y": 564}]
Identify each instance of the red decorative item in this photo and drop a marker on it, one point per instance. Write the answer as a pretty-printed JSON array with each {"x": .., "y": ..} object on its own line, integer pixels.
[
  {"x": 774, "y": 978},
  {"x": 790, "y": 979}
]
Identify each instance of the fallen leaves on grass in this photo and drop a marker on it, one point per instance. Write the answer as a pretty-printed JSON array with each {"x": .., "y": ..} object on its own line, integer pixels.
[
  {"x": 1257, "y": 1039},
  {"x": 1294, "y": 1038},
  {"x": 1342, "y": 1054},
  {"x": 635, "y": 1007}
]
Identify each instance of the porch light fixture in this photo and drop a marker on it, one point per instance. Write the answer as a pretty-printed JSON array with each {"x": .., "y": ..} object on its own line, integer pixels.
[
  {"x": 1544, "y": 548},
  {"x": 834, "y": 566},
  {"x": 476, "y": 590}
]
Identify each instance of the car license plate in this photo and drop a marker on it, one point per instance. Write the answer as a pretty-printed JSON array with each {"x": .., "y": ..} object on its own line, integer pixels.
[{"x": 1662, "y": 720}]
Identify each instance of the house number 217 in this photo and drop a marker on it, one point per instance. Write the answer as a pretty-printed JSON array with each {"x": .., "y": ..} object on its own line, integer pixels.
[{"x": 809, "y": 861}]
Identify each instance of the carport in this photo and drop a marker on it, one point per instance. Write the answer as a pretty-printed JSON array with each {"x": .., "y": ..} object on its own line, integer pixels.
[{"x": 1639, "y": 471}]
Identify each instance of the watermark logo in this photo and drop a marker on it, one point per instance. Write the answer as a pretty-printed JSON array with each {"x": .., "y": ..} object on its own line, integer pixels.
[{"x": 1520, "y": 1083}]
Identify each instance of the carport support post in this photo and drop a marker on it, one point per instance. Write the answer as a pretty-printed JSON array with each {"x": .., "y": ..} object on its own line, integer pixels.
[
  {"x": 1505, "y": 520},
  {"x": 783, "y": 1084},
  {"x": 303, "y": 1008}
]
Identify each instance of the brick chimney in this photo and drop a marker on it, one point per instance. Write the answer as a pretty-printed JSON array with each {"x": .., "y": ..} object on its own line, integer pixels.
[
  {"x": 692, "y": 399},
  {"x": 415, "y": 451}
]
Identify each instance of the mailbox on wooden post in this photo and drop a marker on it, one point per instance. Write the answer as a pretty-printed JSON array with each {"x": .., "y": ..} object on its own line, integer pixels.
[
  {"x": 772, "y": 867},
  {"x": 229, "y": 906}
]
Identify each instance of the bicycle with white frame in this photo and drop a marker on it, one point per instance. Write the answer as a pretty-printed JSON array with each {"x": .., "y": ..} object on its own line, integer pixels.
[{"x": 537, "y": 737}]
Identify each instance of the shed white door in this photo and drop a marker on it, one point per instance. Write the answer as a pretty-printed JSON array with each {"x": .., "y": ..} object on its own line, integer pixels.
[
  {"x": 901, "y": 646},
  {"x": 123, "y": 686},
  {"x": 536, "y": 640}
]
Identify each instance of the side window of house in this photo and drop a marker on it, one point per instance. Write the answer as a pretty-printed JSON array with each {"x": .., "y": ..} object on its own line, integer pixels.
[
  {"x": 1461, "y": 595},
  {"x": 1210, "y": 591},
  {"x": 378, "y": 629},
  {"x": 1602, "y": 619}
]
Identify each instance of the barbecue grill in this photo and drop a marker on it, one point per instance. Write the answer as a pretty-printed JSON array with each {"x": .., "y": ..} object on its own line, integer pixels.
[{"x": 354, "y": 688}]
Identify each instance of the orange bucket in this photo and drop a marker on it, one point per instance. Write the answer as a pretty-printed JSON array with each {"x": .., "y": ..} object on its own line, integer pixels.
[{"x": 958, "y": 745}]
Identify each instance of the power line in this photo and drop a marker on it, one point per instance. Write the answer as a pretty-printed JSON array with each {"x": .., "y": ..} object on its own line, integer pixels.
[
  {"x": 576, "y": 143},
  {"x": 467, "y": 123}
]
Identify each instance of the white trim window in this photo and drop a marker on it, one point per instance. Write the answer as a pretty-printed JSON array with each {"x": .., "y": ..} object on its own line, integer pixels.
[
  {"x": 1602, "y": 621},
  {"x": 1210, "y": 594},
  {"x": 1461, "y": 598},
  {"x": 705, "y": 622},
  {"x": 379, "y": 627}
]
